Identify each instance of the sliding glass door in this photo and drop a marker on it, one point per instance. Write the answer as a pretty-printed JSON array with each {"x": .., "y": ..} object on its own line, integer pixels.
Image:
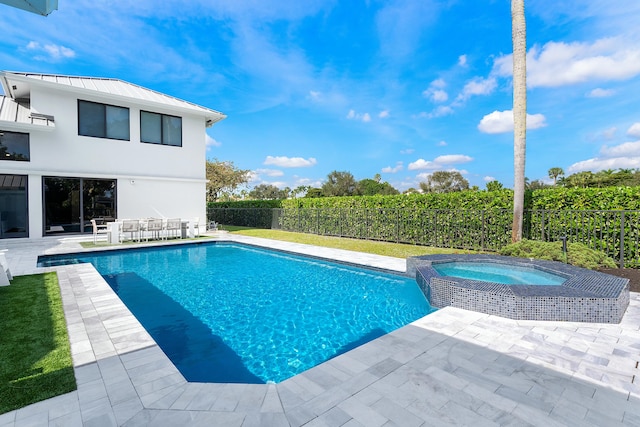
[
  {"x": 14, "y": 212},
  {"x": 71, "y": 203}
]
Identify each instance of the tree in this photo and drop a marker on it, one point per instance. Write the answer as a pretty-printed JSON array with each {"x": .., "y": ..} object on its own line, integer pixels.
[
  {"x": 371, "y": 187},
  {"x": 494, "y": 185},
  {"x": 339, "y": 184},
  {"x": 268, "y": 192},
  {"x": 314, "y": 192},
  {"x": 300, "y": 189},
  {"x": 536, "y": 185},
  {"x": 554, "y": 173},
  {"x": 519, "y": 40},
  {"x": 445, "y": 182},
  {"x": 223, "y": 178}
]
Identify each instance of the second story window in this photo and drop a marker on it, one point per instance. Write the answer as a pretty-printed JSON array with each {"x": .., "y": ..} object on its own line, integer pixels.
[
  {"x": 14, "y": 146},
  {"x": 160, "y": 129},
  {"x": 103, "y": 121}
]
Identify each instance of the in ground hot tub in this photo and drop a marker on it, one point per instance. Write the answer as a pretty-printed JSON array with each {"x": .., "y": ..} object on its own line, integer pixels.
[{"x": 473, "y": 282}]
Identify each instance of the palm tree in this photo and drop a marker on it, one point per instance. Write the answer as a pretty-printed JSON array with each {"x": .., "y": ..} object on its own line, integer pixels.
[
  {"x": 554, "y": 173},
  {"x": 519, "y": 39}
]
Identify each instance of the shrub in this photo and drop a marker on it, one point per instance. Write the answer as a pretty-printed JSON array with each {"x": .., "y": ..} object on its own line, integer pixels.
[{"x": 578, "y": 254}]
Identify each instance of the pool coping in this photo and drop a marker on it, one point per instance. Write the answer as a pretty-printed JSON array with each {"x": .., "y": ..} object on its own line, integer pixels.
[
  {"x": 585, "y": 295},
  {"x": 433, "y": 371}
]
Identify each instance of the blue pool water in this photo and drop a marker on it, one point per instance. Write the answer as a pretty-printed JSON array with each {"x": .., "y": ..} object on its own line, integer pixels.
[
  {"x": 235, "y": 313},
  {"x": 498, "y": 273}
]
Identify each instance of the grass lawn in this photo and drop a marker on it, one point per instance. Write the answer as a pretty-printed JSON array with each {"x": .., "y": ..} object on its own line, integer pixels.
[
  {"x": 35, "y": 358},
  {"x": 398, "y": 250}
]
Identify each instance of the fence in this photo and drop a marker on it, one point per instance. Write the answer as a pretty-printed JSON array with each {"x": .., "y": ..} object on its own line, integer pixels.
[{"x": 617, "y": 233}]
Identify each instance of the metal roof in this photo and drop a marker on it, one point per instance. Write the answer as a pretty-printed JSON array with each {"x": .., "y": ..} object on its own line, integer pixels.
[
  {"x": 17, "y": 85},
  {"x": 41, "y": 7},
  {"x": 17, "y": 114}
]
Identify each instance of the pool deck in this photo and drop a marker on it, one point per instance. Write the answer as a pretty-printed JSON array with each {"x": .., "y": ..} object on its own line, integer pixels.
[{"x": 453, "y": 367}]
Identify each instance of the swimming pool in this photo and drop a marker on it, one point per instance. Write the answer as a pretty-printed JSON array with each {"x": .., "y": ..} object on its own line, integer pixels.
[
  {"x": 225, "y": 312},
  {"x": 498, "y": 273},
  {"x": 581, "y": 296}
]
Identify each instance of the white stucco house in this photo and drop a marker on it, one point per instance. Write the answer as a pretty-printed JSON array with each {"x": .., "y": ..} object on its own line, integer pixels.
[{"x": 77, "y": 148}]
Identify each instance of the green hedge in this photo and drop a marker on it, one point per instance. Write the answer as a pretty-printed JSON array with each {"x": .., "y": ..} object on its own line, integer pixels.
[{"x": 605, "y": 219}]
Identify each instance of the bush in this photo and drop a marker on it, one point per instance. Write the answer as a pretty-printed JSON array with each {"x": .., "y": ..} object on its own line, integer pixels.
[{"x": 578, "y": 254}]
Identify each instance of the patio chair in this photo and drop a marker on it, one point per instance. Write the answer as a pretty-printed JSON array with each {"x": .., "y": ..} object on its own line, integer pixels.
[
  {"x": 5, "y": 273},
  {"x": 154, "y": 227},
  {"x": 98, "y": 229},
  {"x": 212, "y": 226},
  {"x": 196, "y": 226},
  {"x": 131, "y": 226},
  {"x": 173, "y": 225}
]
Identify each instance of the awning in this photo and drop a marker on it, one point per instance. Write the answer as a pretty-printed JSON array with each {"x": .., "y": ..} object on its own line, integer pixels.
[{"x": 41, "y": 7}]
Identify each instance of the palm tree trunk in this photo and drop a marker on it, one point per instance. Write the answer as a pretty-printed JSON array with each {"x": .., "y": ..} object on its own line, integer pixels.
[{"x": 519, "y": 38}]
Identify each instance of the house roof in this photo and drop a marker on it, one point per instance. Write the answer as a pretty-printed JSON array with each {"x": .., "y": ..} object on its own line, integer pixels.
[
  {"x": 18, "y": 116},
  {"x": 18, "y": 86},
  {"x": 41, "y": 7}
]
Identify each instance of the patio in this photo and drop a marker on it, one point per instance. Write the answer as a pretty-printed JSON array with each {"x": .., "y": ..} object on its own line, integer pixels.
[{"x": 451, "y": 367}]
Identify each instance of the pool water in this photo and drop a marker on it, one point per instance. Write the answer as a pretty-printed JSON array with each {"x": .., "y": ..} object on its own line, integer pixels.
[
  {"x": 498, "y": 273},
  {"x": 234, "y": 313}
]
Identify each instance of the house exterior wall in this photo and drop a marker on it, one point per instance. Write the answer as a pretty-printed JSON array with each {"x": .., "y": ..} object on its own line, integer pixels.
[{"x": 152, "y": 180}]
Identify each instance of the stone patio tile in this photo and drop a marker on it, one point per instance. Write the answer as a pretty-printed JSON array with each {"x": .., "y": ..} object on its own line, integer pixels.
[
  {"x": 364, "y": 414},
  {"x": 266, "y": 419}
]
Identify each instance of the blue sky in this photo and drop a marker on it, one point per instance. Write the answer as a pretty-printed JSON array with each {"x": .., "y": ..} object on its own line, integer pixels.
[{"x": 398, "y": 88}]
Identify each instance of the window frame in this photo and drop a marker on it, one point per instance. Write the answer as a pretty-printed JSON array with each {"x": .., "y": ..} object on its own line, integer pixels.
[
  {"x": 162, "y": 129},
  {"x": 10, "y": 156},
  {"x": 106, "y": 124}
]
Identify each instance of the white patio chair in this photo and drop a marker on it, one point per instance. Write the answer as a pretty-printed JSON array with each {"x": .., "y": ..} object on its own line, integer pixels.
[
  {"x": 173, "y": 225},
  {"x": 196, "y": 226},
  {"x": 154, "y": 227},
  {"x": 131, "y": 226},
  {"x": 98, "y": 229}
]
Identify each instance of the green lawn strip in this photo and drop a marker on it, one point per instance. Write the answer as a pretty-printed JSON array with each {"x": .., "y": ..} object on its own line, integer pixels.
[
  {"x": 34, "y": 350},
  {"x": 398, "y": 250}
]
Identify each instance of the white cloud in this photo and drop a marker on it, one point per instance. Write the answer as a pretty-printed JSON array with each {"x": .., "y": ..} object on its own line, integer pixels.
[
  {"x": 625, "y": 156},
  {"x": 502, "y": 122},
  {"x": 407, "y": 151},
  {"x": 50, "y": 52},
  {"x": 462, "y": 60},
  {"x": 488, "y": 178},
  {"x": 436, "y": 92},
  {"x": 423, "y": 176},
  {"x": 452, "y": 159},
  {"x": 397, "y": 168},
  {"x": 477, "y": 86},
  {"x": 438, "y": 95},
  {"x": 634, "y": 130},
  {"x": 600, "y": 93},
  {"x": 383, "y": 114},
  {"x": 421, "y": 164},
  {"x": 253, "y": 176},
  {"x": 441, "y": 111},
  {"x": 558, "y": 63},
  {"x": 290, "y": 162},
  {"x": 438, "y": 83},
  {"x": 442, "y": 144},
  {"x": 439, "y": 162},
  {"x": 597, "y": 164},
  {"x": 210, "y": 142},
  {"x": 270, "y": 172},
  {"x": 352, "y": 115},
  {"x": 628, "y": 149}
]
